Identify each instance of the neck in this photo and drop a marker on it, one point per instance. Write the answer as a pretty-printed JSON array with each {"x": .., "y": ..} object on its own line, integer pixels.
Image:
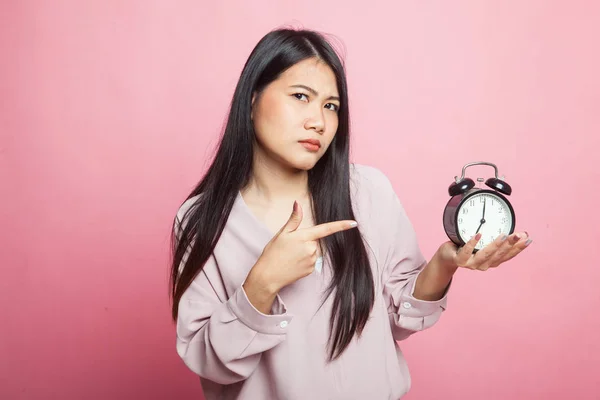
[{"x": 272, "y": 182}]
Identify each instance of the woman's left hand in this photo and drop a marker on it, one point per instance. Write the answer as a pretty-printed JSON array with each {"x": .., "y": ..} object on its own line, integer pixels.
[{"x": 491, "y": 256}]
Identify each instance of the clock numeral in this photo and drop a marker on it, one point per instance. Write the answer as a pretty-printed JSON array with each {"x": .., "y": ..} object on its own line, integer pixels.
[
  {"x": 472, "y": 203},
  {"x": 465, "y": 210},
  {"x": 482, "y": 199},
  {"x": 500, "y": 211},
  {"x": 460, "y": 220},
  {"x": 504, "y": 220},
  {"x": 463, "y": 231},
  {"x": 499, "y": 231},
  {"x": 492, "y": 202}
]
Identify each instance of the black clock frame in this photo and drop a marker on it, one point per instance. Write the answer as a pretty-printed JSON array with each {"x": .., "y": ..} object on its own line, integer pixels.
[{"x": 454, "y": 204}]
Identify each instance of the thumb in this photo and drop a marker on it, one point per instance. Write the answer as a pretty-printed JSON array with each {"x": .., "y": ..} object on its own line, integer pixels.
[{"x": 295, "y": 219}]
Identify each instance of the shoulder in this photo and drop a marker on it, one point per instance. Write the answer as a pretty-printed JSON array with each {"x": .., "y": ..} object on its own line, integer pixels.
[
  {"x": 366, "y": 178},
  {"x": 372, "y": 193},
  {"x": 379, "y": 211}
]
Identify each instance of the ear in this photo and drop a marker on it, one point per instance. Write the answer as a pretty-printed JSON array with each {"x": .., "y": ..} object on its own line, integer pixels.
[{"x": 252, "y": 106}]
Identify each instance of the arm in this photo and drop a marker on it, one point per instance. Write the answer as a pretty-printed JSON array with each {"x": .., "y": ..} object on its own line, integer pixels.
[
  {"x": 223, "y": 340},
  {"x": 415, "y": 291},
  {"x": 433, "y": 281},
  {"x": 221, "y": 337}
]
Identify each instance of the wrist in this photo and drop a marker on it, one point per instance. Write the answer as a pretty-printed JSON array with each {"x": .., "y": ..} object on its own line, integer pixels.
[
  {"x": 260, "y": 282},
  {"x": 433, "y": 281},
  {"x": 442, "y": 265},
  {"x": 260, "y": 295}
]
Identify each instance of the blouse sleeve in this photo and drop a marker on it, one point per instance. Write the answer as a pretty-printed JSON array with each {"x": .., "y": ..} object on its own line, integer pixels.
[
  {"x": 221, "y": 338},
  {"x": 224, "y": 341},
  {"x": 403, "y": 264}
]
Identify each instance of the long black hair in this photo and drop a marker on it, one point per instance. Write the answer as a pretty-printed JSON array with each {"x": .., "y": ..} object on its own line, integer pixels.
[{"x": 328, "y": 181}]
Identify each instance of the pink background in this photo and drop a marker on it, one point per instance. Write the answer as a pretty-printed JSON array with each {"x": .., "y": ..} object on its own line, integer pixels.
[{"x": 109, "y": 111}]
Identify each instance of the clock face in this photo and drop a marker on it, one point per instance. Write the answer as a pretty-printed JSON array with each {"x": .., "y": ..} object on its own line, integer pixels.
[{"x": 485, "y": 213}]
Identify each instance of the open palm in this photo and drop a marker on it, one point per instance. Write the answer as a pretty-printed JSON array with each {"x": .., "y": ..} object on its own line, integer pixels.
[{"x": 499, "y": 251}]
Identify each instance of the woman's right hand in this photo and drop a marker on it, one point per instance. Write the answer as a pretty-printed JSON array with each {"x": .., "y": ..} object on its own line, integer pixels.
[{"x": 290, "y": 255}]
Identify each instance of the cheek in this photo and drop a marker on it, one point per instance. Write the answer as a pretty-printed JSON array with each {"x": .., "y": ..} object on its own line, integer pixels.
[{"x": 272, "y": 120}]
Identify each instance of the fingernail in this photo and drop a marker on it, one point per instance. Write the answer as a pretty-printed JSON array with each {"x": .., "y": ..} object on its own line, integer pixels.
[
  {"x": 353, "y": 224},
  {"x": 478, "y": 236},
  {"x": 295, "y": 205},
  {"x": 528, "y": 242}
]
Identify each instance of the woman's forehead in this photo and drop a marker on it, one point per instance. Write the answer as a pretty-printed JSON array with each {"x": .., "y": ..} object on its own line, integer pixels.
[{"x": 313, "y": 73}]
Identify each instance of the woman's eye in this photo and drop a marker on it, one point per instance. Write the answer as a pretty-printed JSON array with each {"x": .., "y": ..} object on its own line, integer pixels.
[
  {"x": 332, "y": 107},
  {"x": 300, "y": 96}
]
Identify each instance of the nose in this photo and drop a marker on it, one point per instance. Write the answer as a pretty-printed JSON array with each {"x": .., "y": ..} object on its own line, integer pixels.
[{"x": 316, "y": 121}]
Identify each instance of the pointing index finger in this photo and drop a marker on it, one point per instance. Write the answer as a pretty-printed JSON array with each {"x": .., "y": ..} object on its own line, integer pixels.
[{"x": 329, "y": 228}]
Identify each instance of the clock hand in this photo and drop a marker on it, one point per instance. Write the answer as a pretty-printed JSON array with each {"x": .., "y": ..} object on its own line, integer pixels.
[
  {"x": 482, "y": 218},
  {"x": 480, "y": 225}
]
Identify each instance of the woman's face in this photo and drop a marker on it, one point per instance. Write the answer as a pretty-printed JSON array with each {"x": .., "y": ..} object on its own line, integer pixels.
[{"x": 296, "y": 116}]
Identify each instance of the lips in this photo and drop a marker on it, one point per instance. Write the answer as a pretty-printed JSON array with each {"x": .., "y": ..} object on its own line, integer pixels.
[{"x": 314, "y": 142}]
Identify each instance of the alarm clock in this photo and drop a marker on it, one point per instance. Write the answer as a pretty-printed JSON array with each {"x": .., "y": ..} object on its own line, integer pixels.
[{"x": 473, "y": 210}]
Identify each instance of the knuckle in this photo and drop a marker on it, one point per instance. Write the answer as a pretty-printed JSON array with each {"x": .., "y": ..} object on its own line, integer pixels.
[
  {"x": 509, "y": 253},
  {"x": 311, "y": 248}
]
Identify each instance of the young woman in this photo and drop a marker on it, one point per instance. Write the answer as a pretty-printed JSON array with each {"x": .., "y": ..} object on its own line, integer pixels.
[{"x": 295, "y": 272}]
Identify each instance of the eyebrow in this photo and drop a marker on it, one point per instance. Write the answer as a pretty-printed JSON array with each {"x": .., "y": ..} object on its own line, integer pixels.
[{"x": 314, "y": 92}]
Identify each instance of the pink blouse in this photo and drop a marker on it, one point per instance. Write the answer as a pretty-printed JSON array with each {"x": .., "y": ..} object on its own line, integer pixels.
[{"x": 240, "y": 353}]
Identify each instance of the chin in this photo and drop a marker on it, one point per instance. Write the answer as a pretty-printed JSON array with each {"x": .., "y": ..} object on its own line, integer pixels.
[{"x": 305, "y": 163}]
